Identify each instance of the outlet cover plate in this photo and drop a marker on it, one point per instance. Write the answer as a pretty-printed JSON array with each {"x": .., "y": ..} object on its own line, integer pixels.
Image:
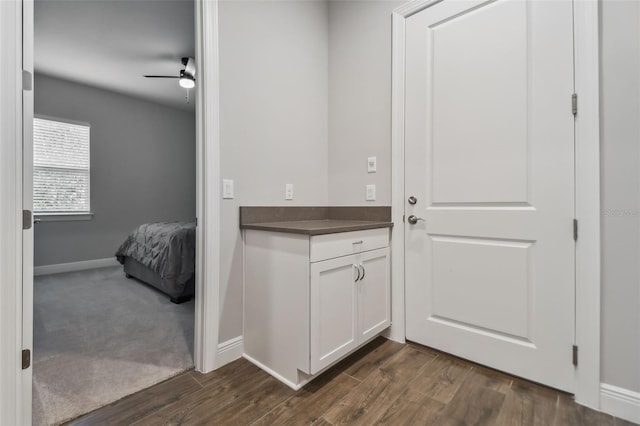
[
  {"x": 372, "y": 165},
  {"x": 371, "y": 193},
  {"x": 227, "y": 189}
]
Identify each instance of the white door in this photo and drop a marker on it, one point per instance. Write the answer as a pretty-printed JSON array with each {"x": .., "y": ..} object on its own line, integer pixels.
[
  {"x": 374, "y": 304},
  {"x": 27, "y": 204},
  {"x": 489, "y": 157},
  {"x": 333, "y": 305}
]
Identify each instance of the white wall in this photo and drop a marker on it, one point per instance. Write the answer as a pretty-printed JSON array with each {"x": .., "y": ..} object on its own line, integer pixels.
[
  {"x": 620, "y": 127},
  {"x": 359, "y": 100},
  {"x": 273, "y": 102}
]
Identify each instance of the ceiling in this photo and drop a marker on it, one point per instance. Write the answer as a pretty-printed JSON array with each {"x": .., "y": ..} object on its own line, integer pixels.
[{"x": 111, "y": 43}]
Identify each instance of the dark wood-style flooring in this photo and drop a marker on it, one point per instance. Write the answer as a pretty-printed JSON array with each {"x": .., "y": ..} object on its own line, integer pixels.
[{"x": 384, "y": 383}]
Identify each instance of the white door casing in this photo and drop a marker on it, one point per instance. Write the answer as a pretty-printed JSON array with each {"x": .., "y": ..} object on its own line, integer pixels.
[
  {"x": 489, "y": 154},
  {"x": 12, "y": 377},
  {"x": 207, "y": 286}
]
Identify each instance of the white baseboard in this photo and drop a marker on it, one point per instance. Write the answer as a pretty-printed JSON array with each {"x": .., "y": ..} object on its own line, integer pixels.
[
  {"x": 74, "y": 266},
  {"x": 274, "y": 374},
  {"x": 395, "y": 334},
  {"x": 620, "y": 402},
  {"x": 229, "y": 351}
]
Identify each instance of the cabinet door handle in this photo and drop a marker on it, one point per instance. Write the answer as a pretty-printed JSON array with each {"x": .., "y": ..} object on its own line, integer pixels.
[
  {"x": 363, "y": 272},
  {"x": 357, "y": 269}
]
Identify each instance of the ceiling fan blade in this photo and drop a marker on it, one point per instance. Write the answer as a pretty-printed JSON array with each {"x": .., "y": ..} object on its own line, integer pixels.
[
  {"x": 190, "y": 67},
  {"x": 160, "y": 76}
]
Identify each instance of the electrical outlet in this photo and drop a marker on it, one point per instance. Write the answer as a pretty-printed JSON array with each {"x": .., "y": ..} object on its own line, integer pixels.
[
  {"x": 227, "y": 189},
  {"x": 372, "y": 164},
  {"x": 288, "y": 191},
  {"x": 371, "y": 192}
]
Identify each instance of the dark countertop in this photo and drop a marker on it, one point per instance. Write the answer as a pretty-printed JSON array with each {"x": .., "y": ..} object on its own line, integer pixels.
[
  {"x": 317, "y": 227},
  {"x": 318, "y": 220}
]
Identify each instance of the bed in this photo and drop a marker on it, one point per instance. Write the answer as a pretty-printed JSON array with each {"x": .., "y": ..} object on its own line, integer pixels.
[{"x": 162, "y": 255}]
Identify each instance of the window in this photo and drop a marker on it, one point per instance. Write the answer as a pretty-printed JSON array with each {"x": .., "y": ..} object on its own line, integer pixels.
[{"x": 60, "y": 167}]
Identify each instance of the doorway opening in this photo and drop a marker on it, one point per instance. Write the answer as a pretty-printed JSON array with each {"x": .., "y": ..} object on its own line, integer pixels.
[{"x": 155, "y": 128}]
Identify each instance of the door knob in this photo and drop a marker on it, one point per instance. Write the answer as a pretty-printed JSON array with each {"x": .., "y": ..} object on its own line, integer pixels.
[
  {"x": 412, "y": 200},
  {"x": 413, "y": 219}
]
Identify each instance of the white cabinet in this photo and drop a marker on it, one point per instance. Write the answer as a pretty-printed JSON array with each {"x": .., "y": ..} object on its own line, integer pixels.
[
  {"x": 349, "y": 304},
  {"x": 311, "y": 300},
  {"x": 374, "y": 294}
]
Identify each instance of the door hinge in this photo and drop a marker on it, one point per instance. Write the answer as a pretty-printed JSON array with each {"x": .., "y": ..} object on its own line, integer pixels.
[
  {"x": 575, "y": 355},
  {"x": 27, "y": 80},
  {"x": 575, "y": 229},
  {"x": 26, "y": 219},
  {"x": 402, "y": 218},
  {"x": 574, "y": 104},
  {"x": 26, "y": 359}
]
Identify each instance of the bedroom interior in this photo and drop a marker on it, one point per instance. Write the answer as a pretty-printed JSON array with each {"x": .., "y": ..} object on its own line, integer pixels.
[{"x": 114, "y": 201}]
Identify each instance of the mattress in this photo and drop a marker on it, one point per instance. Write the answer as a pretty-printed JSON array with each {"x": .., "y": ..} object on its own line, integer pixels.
[
  {"x": 161, "y": 254},
  {"x": 177, "y": 293}
]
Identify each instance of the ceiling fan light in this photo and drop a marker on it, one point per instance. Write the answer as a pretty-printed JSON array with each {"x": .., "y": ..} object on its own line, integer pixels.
[{"x": 187, "y": 82}]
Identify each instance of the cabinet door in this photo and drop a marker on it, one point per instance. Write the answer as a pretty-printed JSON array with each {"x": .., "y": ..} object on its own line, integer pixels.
[
  {"x": 374, "y": 293},
  {"x": 333, "y": 311}
]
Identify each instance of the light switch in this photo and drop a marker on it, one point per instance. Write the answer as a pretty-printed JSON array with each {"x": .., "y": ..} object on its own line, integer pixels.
[
  {"x": 227, "y": 189},
  {"x": 371, "y": 192},
  {"x": 372, "y": 164},
  {"x": 288, "y": 191}
]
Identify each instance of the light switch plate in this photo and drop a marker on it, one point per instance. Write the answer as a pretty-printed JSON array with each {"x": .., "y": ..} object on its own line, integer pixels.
[
  {"x": 371, "y": 192},
  {"x": 372, "y": 165},
  {"x": 227, "y": 189},
  {"x": 288, "y": 191}
]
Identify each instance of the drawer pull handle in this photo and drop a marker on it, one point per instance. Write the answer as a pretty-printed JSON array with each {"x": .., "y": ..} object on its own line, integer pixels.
[
  {"x": 357, "y": 242},
  {"x": 364, "y": 271},
  {"x": 357, "y": 269}
]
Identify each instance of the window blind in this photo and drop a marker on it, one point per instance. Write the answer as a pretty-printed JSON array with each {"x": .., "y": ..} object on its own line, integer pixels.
[{"x": 61, "y": 178}]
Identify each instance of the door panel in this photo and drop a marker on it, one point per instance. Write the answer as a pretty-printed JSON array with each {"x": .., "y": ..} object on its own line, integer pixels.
[
  {"x": 477, "y": 108},
  {"x": 503, "y": 269},
  {"x": 333, "y": 311},
  {"x": 489, "y": 155},
  {"x": 374, "y": 304}
]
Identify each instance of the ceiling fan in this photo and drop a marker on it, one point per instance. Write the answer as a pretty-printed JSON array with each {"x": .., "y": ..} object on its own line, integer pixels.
[{"x": 187, "y": 75}]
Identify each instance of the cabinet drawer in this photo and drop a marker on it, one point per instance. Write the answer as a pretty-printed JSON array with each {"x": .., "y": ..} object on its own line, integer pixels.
[{"x": 323, "y": 247}]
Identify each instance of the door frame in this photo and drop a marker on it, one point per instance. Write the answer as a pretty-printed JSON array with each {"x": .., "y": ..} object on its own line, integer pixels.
[
  {"x": 12, "y": 377},
  {"x": 587, "y": 190},
  {"x": 207, "y": 187},
  {"x": 16, "y": 33}
]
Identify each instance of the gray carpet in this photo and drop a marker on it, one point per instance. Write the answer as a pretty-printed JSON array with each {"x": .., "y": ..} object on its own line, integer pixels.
[{"x": 98, "y": 337}]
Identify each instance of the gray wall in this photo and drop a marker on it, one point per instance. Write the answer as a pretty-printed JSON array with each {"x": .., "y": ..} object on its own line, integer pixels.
[
  {"x": 359, "y": 100},
  {"x": 620, "y": 131},
  {"x": 273, "y": 78},
  {"x": 142, "y": 168}
]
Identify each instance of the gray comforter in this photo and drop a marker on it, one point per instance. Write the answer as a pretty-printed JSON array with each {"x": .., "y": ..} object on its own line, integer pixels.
[{"x": 167, "y": 248}]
